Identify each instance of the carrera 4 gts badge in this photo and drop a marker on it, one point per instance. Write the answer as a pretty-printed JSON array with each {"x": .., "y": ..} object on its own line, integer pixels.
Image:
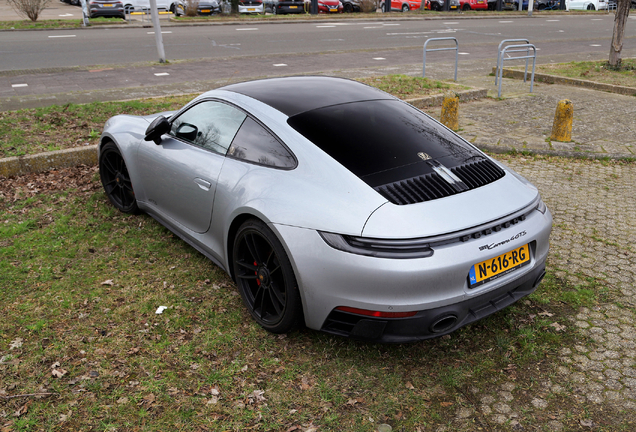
[{"x": 494, "y": 245}]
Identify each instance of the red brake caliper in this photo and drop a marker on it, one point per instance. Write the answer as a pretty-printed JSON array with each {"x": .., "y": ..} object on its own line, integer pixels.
[{"x": 258, "y": 282}]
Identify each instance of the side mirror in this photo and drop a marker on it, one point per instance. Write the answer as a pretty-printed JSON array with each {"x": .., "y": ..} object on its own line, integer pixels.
[{"x": 158, "y": 127}]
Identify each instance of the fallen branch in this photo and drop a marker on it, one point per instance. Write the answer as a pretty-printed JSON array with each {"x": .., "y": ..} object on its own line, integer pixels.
[{"x": 25, "y": 395}]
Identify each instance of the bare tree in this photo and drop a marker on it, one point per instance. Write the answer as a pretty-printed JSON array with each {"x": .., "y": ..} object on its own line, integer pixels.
[
  {"x": 29, "y": 8},
  {"x": 622, "y": 12}
]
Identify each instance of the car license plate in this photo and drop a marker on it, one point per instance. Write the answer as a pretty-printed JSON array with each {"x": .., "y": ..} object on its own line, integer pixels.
[
  {"x": 498, "y": 266},
  {"x": 251, "y": 9},
  {"x": 333, "y": 9},
  {"x": 480, "y": 2},
  {"x": 107, "y": 5},
  {"x": 453, "y": 7},
  {"x": 293, "y": 7},
  {"x": 205, "y": 10}
]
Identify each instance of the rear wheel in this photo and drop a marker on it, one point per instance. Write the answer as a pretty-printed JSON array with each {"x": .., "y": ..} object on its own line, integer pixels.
[
  {"x": 405, "y": 8},
  {"x": 591, "y": 7},
  {"x": 265, "y": 278},
  {"x": 348, "y": 8},
  {"x": 466, "y": 7},
  {"x": 116, "y": 180}
]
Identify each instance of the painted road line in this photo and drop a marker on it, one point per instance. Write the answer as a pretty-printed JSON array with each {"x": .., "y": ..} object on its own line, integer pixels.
[
  {"x": 379, "y": 58},
  {"x": 596, "y": 45},
  {"x": 163, "y": 32},
  {"x": 552, "y": 20},
  {"x": 597, "y": 19},
  {"x": 461, "y": 53},
  {"x": 66, "y": 14},
  {"x": 451, "y": 22},
  {"x": 325, "y": 26},
  {"x": 505, "y": 22},
  {"x": 387, "y": 25},
  {"x": 162, "y": 74},
  {"x": 373, "y": 27},
  {"x": 246, "y": 29},
  {"x": 62, "y": 36},
  {"x": 405, "y": 34},
  {"x": 279, "y": 65},
  {"x": 19, "y": 85}
]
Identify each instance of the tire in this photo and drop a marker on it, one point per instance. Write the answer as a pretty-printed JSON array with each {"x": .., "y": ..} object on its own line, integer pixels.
[
  {"x": 179, "y": 11},
  {"x": 116, "y": 180},
  {"x": 436, "y": 7},
  {"x": 128, "y": 9},
  {"x": 405, "y": 8},
  {"x": 466, "y": 7},
  {"x": 265, "y": 278},
  {"x": 348, "y": 8},
  {"x": 591, "y": 7}
]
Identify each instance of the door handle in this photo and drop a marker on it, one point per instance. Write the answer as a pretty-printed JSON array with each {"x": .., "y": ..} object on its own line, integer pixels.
[{"x": 203, "y": 184}]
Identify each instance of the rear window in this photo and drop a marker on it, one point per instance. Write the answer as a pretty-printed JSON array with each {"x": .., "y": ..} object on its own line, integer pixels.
[{"x": 381, "y": 137}]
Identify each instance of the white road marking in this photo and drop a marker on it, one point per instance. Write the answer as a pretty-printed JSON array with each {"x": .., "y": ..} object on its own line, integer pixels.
[
  {"x": 552, "y": 20},
  {"x": 19, "y": 85},
  {"x": 505, "y": 22},
  {"x": 597, "y": 19},
  {"x": 596, "y": 45},
  {"x": 163, "y": 32},
  {"x": 279, "y": 65},
  {"x": 451, "y": 22},
  {"x": 162, "y": 74},
  {"x": 372, "y": 27},
  {"x": 62, "y": 36},
  {"x": 246, "y": 29},
  {"x": 463, "y": 53},
  {"x": 386, "y": 25},
  {"x": 325, "y": 26},
  {"x": 413, "y": 33},
  {"x": 379, "y": 58},
  {"x": 66, "y": 14}
]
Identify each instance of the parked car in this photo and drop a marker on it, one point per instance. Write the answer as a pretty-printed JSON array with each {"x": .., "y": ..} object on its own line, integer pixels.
[
  {"x": 393, "y": 231},
  {"x": 105, "y": 8},
  {"x": 403, "y": 5},
  {"x": 438, "y": 5},
  {"x": 251, "y": 6},
  {"x": 467, "y": 5},
  {"x": 351, "y": 5},
  {"x": 204, "y": 7},
  {"x": 144, "y": 5},
  {"x": 586, "y": 4},
  {"x": 330, "y": 6},
  {"x": 288, "y": 7}
]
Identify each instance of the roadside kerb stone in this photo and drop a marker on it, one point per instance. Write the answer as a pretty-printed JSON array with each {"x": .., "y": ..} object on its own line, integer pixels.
[
  {"x": 41, "y": 162},
  {"x": 553, "y": 79}
]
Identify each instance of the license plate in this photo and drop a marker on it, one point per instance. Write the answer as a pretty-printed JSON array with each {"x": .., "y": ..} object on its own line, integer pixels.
[
  {"x": 293, "y": 7},
  {"x": 107, "y": 5},
  {"x": 251, "y": 9},
  {"x": 205, "y": 10},
  {"x": 333, "y": 9},
  {"x": 480, "y": 2},
  {"x": 498, "y": 266},
  {"x": 453, "y": 7}
]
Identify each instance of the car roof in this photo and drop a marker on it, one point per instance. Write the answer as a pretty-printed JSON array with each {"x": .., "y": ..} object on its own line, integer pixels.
[{"x": 295, "y": 95}]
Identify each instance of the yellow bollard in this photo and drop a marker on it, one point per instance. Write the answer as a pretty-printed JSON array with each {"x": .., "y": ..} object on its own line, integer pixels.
[
  {"x": 562, "y": 126},
  {"x": 450, "y": 112}
]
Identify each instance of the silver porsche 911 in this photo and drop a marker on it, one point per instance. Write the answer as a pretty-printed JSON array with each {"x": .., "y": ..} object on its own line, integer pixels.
[{"x": 335, "y": 204}]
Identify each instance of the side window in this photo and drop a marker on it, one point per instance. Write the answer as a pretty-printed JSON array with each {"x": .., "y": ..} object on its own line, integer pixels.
[
  {"x": 255, "y": 144},
  {"x": 209, "y": 124}
]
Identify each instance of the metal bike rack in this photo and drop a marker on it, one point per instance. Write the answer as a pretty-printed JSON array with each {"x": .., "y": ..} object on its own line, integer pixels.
[
  {"x": 505, "y": 41},
  {"x": 441, "y": 49},
  {"x": 517, "y": 48}
]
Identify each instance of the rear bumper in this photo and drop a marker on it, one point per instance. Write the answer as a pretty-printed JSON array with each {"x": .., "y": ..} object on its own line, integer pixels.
[{"x": 433, "y": 322}]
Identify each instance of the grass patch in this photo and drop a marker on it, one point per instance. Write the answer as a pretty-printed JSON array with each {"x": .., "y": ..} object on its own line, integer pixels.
[
  {"x": 61, "y": 23},
  {"x": 31, "y": 131},
  {"x": 79, "y": 286},
  {"x": 598, "y": 71}
]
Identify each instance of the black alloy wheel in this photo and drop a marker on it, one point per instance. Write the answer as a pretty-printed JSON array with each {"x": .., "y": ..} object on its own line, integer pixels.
[
  {"x": 405, "y": 8},
  {"x": 590, "y": 7},
  {"x": 116, "y": 180},
  {"x": 265, "y": 278},
  {"x": 348, "y": 8},
  {"x": 466, "y": 7}
]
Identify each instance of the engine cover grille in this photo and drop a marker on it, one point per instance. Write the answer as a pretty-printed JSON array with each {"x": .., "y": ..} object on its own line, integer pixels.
[{"x": 432, "y": 186}]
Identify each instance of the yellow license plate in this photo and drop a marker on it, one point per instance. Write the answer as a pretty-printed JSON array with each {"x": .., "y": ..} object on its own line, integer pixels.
[
  {"x": 498, "y": 266},
  {"x": 205, "y": 10},
  {"x": 293, "y": 7},
  {"x": 107, "y": 5},
  {"x": 453, "y": 7},
  {"x": 251, "y": 9}
]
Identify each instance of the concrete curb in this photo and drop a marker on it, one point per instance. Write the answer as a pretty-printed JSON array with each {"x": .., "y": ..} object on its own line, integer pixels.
[
  {"x": 15, "y": 166},
  {"x": 553, "y": 79}
]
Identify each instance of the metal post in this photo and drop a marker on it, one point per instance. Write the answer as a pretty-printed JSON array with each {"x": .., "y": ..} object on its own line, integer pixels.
[
  {"x": 387, "y": 5},
  {"x": 530, "y": 7},
  {"x": 158, "y": 38},
  {"x": 525, "y": 75},
  {"x": 499, "y": 5},
  {"x": 562, "y": 4},
  {"x": 440, "y": 49},
  {"x": 85, "y": 14},
  {"x": 516, "y": 48},
  {"x": 314, "y": 7},
  {"x": 446, "y": 5}
]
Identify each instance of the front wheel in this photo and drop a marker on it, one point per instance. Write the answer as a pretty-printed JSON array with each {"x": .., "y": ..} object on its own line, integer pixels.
[
  {"x": 116, "y": 180},
  {"x": 348, "y": 8},
  {"x": 265, "y": 278},
  {"x": 590, "y": 7},
  {"x": 405, "y": 8},
  {"x": 466, "y": 7}
]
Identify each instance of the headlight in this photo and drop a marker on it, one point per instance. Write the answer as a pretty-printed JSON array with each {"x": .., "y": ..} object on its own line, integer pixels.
[
  {"x": 541, "y": 206},
  {"x": 379, "y": 248}
]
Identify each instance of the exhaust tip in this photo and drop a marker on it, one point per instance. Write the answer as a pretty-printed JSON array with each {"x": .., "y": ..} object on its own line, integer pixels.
[{"x": 444, "y": 323}]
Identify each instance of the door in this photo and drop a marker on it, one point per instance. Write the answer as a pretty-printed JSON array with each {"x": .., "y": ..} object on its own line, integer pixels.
[{"x": 180, "y": 174}]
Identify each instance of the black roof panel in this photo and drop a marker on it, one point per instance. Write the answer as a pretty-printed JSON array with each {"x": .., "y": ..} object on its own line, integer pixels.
[{"x": 295, "y": 95}]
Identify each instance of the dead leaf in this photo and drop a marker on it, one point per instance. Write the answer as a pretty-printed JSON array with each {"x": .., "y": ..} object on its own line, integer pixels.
[
  {"x": 22, "y": 410},
  {"x": 547, "y": 314},
  {"x": 55, "y": 365},
  {"x": 409, "y": 385},
  {"x": 64, "y": 417},
  {"x": 558, "y": 327},
  {"x": 195, "y": 366},
  {"x": 446, "y": 404},
  {"x": 256, "y": 396},
  {"x": 108, "y": 282},
  {"x": 58, "y": 373},
  {"x": 587, "y": 423},
  {"x": 352, "y": 402},
  {"x": 122, "y": 400},
  {"x": 16, "y": 343}
]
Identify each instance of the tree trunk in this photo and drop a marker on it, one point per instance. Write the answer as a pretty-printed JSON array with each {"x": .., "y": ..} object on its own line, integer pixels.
[{"x": 622, "y": 12}]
